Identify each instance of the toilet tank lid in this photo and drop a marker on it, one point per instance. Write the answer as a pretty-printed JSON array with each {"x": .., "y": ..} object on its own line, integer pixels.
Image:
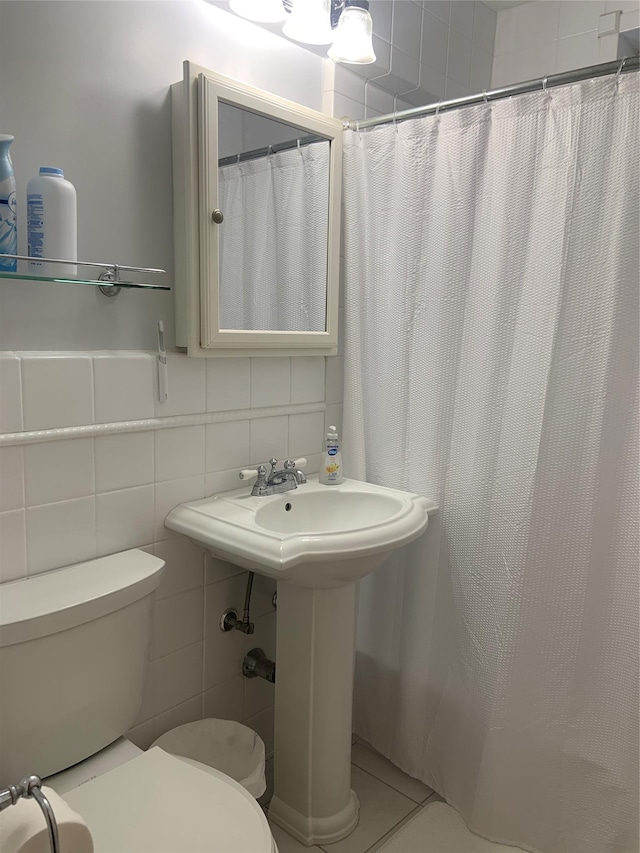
[{"x": 55, "y": 601}]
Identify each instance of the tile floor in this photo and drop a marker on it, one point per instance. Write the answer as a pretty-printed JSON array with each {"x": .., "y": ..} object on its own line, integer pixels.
[{"x": 388, "y": 798}]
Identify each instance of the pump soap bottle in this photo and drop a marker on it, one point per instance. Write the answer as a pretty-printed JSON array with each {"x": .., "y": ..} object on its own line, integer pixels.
[{"x": 331, "y": 469}]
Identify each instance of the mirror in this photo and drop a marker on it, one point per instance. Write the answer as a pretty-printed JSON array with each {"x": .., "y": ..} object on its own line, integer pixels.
[
  {"x": 256, "y": 221},
  {"x": 273, "y": 191}
]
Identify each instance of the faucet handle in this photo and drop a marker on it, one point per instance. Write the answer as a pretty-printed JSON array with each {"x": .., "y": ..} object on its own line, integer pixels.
[
  {"x": 252, "y": 473},
  {"x": 291, "y": 464},
  {"x": 248, "y": 474}
]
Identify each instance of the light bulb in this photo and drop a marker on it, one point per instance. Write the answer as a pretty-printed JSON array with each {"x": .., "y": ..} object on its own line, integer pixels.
[
  {"x": 261, "y": 11},
  {"x": 309, "y": 22},
  {"x": 353, "y": 41}
]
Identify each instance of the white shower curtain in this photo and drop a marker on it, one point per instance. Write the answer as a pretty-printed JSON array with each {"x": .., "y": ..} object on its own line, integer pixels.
[
  {"x": 491, "y": 304},
  {"x": 273, "y": 242}
]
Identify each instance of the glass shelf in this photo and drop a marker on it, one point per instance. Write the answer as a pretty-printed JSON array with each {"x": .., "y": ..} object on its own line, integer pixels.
[{"x": 87, "y": 281}]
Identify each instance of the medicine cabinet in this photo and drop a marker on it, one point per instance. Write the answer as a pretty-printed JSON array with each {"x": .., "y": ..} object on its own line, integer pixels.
[{"x": 256, "y": 183}]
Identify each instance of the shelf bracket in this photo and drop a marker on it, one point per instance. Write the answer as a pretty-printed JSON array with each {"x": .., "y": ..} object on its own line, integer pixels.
[{"x": 113, "y": 275}]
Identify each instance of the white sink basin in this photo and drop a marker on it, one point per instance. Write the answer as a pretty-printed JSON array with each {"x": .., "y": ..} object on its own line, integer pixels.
[{"x": 314, "y": 536}]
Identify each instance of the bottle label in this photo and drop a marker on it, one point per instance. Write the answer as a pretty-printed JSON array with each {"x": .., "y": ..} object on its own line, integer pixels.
[
  {"x": 332, "y": 451},
  {"x": 35, "y": 226}
]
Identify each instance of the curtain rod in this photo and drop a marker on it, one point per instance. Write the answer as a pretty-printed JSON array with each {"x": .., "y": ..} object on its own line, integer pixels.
[
  {"x": 270, "y": 149},
  {"x": 618, "y": 66}
]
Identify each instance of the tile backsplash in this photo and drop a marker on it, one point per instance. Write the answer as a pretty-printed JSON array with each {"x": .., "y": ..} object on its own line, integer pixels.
[{"x": 104, "y": 489}]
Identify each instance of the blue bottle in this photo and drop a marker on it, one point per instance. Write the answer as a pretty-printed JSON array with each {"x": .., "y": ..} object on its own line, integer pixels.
[{"x": 8, "y": 230}]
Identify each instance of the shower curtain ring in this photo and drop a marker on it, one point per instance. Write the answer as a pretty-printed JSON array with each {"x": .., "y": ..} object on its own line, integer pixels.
[
  {"x": 619, "y": 71},
  {"x": 484, "y": 95},
  {"x": 395, "y": 112},
  {"x": 544, "y": 84},
  {"x": 438, "y": 108}
]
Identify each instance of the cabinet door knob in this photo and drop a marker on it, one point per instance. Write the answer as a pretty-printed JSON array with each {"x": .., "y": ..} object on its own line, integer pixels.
[{"x": 217, "y": 216}]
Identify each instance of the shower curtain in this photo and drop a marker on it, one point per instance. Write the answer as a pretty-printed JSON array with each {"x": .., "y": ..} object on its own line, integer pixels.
[
  {"x": 273, "y": 242},
  {"x": 491, "y": 301}
]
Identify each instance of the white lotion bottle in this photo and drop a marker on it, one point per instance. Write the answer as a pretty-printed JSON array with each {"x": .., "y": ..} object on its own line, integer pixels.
[
  {"x": 331, "y": 468},
  {"x": 52, "y": 223}
]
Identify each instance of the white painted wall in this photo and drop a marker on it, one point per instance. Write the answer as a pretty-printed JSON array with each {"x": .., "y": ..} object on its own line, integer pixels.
[{"x": 544, "y": 37}]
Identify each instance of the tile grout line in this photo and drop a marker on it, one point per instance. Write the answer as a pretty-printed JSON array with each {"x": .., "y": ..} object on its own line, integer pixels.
[
  {"x": 389, "y": 785},
  {"x": 394, "y": 829}
]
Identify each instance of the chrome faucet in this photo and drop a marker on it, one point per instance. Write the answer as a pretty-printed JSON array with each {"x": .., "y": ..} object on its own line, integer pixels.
[{"x": 290, "y": 476}]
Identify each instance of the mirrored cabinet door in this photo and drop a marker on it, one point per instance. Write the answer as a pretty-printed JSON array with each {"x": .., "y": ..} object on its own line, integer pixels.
[{"x": 257, "y": 221}]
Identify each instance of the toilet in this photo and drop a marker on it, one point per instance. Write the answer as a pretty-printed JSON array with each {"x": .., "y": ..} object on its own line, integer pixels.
[{"x": 73, "y": 656}]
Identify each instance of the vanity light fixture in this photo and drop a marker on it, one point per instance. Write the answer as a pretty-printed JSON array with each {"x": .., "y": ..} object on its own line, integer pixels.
[
  {"x": 353, "y": 40},
  {"x": 346, "y": 24}
]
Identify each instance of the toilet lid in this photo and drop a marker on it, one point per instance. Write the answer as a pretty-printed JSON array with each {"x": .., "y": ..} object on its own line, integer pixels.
[{"x": 157, "y": 803}]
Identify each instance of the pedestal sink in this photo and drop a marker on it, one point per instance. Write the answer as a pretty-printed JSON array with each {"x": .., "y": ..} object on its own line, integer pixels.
[{"x": 317, "y": 541}]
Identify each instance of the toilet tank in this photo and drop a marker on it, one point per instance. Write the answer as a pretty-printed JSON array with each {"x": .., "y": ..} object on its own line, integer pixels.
[{"x": 74, "y": 648}]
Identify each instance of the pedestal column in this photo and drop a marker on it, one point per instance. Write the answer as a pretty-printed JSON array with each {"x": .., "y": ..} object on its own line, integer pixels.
[{"x": 315, "y": 651}]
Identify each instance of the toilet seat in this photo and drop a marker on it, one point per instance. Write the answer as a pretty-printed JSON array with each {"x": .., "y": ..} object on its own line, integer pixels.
[{"x": 159, "y": 803}]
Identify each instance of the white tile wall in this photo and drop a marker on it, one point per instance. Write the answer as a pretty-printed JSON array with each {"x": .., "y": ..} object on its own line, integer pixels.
[
  {"x": 172, "y": 680},
  {"x": 184, "y": 566},
  {"x": 11, "y": 478},
  {"x": 407, "y": 27},
  {"x": 419, "y": 45},
  {"x": 179, "y": 452},
  {"x": 124, "y": 460},
  {"x": 270, "y": 382},
  {"x": 461, "y": 17},
  {"x": 13, "y": 546},
  {"x": 124, "y": 519},
  {"x": 170, "y": 493},
  {"x": 305, "y": 432},
  {"x": 307, "y": 379},
  {"x": 227, "y": 384},
  {"x": 10, "y": 389},
  {"x": 226, "y": 700},
  {"x": 335, "y": 380},
  {"x": 59, "y": 470},
  {"x": 123, "y": 387},
  {"x": 57, "y": 390},
  {"x": 544, "y": 37},
  {"x": 227, "y": 445},
  {"x": 221, "y": 481},
  {"x": 268, "y": 437},
  {"x": 70, "y": 500},
  {"x": 59, "y": 534},
  {"x": 179, "y": 622}
]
